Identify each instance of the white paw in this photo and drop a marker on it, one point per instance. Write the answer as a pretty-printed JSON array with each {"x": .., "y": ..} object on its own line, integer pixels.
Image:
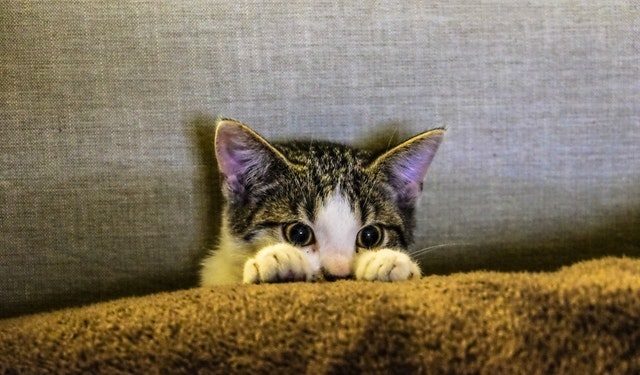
[
  {"x": 277, "y": 263},
  {"x": 386, "y": 265}
]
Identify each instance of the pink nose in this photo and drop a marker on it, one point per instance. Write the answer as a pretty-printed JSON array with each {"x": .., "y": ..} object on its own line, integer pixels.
[{"x": 337, "y": 265}]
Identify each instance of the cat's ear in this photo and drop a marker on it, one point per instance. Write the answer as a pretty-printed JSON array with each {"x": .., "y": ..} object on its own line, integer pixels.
[
  {"x": 244, "y": 158},
  {"x": 406, "y": 164}
]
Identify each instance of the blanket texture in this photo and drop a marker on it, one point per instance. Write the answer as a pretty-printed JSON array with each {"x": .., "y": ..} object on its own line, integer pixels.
[{"x": 580, "y": 319}]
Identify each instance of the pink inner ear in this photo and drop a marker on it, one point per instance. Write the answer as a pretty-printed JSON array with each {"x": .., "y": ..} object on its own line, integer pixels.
[
  {"x": 411, "y": 169},
  {"x": 232, "y": 156},
  {"x": 412, "y": 164},
  {"x": 408, "y": 165},
  {"x": 237, "y": 152},
  {"x": 407, "y": 175}
]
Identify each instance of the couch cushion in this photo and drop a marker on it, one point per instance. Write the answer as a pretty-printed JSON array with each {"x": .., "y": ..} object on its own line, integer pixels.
[
  {"x": 582, "y": 319},
  {"x": 107, "y": 187}
]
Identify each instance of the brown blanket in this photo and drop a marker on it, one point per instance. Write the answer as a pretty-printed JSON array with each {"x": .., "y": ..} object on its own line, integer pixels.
[{"x": 581, "y": 319}]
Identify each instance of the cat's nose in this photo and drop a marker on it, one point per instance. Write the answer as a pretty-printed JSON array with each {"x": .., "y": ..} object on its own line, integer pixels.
[{"x": 337, "y": 265}]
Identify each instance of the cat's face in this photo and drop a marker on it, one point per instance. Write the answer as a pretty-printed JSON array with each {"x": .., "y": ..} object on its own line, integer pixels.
[{"x": 329, "y": 200}]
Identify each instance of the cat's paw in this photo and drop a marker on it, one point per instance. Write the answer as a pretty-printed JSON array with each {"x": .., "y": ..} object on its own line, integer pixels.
[
  {"x": 386, "y": 265},
  {"x": 277, "y": 263}
]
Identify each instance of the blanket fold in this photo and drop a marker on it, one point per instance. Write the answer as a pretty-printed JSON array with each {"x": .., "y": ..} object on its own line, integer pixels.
[{"x": 580, "y": 319}]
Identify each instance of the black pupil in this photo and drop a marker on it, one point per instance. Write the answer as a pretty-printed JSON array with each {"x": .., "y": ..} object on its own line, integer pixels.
[
  {"x": 299, "y": 234},
  {"x": 370, "y": 236}
]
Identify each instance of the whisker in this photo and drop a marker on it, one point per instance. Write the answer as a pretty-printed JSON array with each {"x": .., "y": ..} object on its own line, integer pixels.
[
  {"x": 393, "y": 136},
  {"x": 430, "y": 249}
]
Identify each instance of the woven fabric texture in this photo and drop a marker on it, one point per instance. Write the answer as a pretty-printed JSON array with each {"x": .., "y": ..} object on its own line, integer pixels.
[{"x": 107, "y": 183}]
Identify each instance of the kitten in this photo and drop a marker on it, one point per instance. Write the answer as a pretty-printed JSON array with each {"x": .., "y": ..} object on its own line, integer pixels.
[{"x": 307, "y": 211}]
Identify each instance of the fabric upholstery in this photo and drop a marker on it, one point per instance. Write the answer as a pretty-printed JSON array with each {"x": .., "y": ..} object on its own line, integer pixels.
[
  {"x": 466, "y": 323},
  {"x": 108, "y": 186}
]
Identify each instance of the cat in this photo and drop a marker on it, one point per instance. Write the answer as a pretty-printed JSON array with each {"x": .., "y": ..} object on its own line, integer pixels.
[{"x": 307, "y": 211}]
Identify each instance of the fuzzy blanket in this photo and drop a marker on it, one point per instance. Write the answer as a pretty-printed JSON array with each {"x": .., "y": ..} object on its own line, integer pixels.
[{"x": 580, "y": 319}]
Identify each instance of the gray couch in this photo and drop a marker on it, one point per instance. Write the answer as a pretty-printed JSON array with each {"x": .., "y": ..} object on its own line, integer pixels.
[{"x": 108, "y": 185}]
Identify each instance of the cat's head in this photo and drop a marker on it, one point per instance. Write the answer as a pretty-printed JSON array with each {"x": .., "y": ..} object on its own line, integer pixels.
[{"x": 330, "y": 200}]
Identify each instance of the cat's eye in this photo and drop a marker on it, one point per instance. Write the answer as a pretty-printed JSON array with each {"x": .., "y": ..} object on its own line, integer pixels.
[
  {"x": 369, "y": 237},
  {"x": 298, "y": 234}
]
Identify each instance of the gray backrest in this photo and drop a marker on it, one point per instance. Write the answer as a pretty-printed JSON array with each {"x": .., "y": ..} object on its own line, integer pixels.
[{"x": 107, "y": 182}]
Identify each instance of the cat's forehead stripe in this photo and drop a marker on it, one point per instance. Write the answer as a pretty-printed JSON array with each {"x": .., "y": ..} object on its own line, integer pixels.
[{"x": 336, "y": 223}]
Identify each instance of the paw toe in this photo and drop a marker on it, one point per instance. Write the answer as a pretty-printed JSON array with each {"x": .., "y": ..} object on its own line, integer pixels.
[
  {"x": 387, "y": 265},
  {"x": 276, "y": 264}
]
